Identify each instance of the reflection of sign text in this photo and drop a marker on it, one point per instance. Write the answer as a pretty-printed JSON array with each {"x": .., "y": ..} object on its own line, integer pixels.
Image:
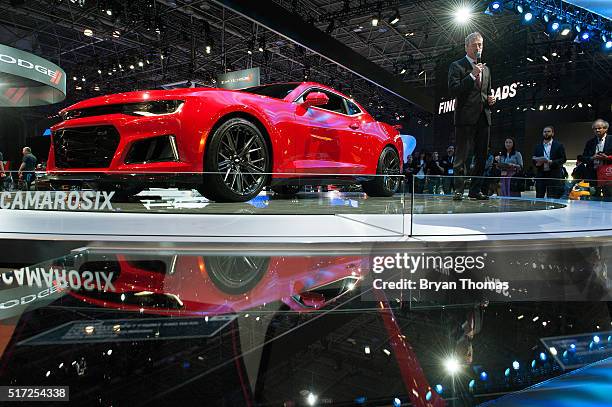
[{"x": 50, "y": 200}]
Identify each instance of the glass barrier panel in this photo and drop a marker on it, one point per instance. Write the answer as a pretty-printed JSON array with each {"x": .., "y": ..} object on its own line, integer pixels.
[{"x": 329, "y": 204}]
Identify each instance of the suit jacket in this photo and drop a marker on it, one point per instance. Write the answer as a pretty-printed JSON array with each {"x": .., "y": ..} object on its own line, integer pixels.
[
  {"x": 469, "y": 100},
  {"x": 557, "y": 156},
  {"x": 589, "y": 152}
]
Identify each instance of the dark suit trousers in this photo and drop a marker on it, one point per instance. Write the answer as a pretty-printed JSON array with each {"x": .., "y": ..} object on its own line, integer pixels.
[
  {"x": 549, "y": 185},
  {"x": 472, "y": 142}
]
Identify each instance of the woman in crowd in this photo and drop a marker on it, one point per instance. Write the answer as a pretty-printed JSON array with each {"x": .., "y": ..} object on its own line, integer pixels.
[
  {"x": 419, "y": 171},
  {"x": 434, "y": 173},
  {"x": 510, "y": 163}
]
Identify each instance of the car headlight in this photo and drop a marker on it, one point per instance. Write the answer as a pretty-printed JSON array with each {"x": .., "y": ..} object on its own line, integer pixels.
[{"x": 153, "y": 108}]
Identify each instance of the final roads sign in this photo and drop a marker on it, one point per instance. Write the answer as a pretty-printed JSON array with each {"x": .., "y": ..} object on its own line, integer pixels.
[
  {"x": 239, "y": 79},
  {"x": 29, "y": 80}
]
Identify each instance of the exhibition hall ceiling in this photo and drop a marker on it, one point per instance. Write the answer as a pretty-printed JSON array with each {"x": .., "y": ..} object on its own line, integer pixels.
[{"x": 108, "y": 46}]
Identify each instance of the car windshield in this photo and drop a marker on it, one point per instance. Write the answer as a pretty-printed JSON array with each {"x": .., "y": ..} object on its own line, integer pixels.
[{"x": 279, "y": 90}]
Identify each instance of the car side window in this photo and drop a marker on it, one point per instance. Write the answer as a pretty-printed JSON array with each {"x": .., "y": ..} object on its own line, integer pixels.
[
  {"x": 352, "y": 108},
  {"x": 335, "y": 104}
]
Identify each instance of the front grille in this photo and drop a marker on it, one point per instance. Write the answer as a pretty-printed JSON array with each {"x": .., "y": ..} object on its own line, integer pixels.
[{"x": 85, "y": 147}]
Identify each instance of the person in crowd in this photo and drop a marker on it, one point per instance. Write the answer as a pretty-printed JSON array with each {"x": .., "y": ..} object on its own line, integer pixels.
[
  {"x": 419, "y": 171},
  {"x": 490, "y": 178},
  {"x": 595, "y": 154},
  {"x": 448, "y": 162},
  {"x": 510, "y": 163},
  {"x": 27, "y": 168},
  {"x": 469, "y": 82},
  {"x": 2, "y": 173},
  {"x": 549, "y": 157},
  {"x": 581, "y": 171},
  {"x": 408, "y": 168},
  {"x": 434, "y": 172}
]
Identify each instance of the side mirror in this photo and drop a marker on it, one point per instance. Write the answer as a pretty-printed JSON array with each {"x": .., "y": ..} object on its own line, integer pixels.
[{"x": 315, "y": 99}]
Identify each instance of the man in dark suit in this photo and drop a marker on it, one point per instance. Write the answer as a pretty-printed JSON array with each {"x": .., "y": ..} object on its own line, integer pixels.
[
  {"x": 595, "y": 154},
  {"x": 469, "y": 81},
  {"x": 549, "y": 157},
  {"x": 448, "y": 164}
]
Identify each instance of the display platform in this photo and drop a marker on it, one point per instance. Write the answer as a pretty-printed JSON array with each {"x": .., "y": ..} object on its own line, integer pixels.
[{"x": 172, "y": 215}]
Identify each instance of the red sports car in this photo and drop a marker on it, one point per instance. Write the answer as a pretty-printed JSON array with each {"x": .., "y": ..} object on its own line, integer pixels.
[{"x": 227, "y": 144}]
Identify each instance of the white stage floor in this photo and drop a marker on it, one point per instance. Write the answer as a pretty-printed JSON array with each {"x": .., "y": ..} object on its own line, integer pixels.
[{"x": 469, "y": 221}]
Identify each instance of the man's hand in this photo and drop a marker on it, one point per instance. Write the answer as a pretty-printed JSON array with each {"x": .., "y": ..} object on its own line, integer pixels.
[
  {"x": 491, "y": 100},
  {"x": 477, "y": 70}
]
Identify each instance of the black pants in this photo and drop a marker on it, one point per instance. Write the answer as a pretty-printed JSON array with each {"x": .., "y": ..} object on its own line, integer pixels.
[
  {"x": 549, "y": 185},
  {"x": 472, "y": 143}
]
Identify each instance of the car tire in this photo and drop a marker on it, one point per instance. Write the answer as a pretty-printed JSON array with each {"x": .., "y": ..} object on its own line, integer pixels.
[
  {"x": 286, "y": 190},
  {"x": 236, "y": 163},
  {"x": 236, "y": 275},
  {"x": 388, "y": 163}
]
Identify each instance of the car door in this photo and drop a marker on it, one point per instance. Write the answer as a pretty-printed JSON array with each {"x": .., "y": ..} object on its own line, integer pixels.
[{"x": 325, "y": 136}]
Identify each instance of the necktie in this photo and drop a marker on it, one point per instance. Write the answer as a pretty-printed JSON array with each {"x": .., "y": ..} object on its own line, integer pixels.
[{"x": 478, "y": 82}]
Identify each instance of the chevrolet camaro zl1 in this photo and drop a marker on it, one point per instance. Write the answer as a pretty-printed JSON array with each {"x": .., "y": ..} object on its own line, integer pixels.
[{"x": 227, "y": 144}]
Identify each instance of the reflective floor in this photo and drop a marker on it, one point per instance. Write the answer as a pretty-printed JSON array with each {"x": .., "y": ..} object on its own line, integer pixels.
[
  {"x": 222, "y": 326},
  {"x": 333, "y": 202}
]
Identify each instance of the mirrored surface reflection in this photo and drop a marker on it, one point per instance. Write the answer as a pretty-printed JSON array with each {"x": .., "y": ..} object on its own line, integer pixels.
[{"x": 282, "y": 327}]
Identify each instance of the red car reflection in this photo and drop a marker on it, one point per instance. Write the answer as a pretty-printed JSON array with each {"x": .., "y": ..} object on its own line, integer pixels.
[
  {"x": 126, "y": 142},
  {"x": 212, "y": 285}
]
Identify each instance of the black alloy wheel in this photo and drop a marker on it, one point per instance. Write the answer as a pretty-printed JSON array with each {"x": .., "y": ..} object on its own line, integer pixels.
[
  {"x": 236, "y": 162},
  {"x": 236, "y": 274},
  {"x": 388, "y": 180}
]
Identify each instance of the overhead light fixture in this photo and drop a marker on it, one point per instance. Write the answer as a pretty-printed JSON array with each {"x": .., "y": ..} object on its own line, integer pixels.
[
  {"x": 463, "y": 15},
  {"x": 566, "y": 31},
  {"x": 208, "y": 49},
  {"x": 375, "y": 20},
  {"x": 496, "y": 7},
  {"x": 116, "y": 33},
  {"x": 96, "y": 88},
  {"x": 545, "y": 58},
  {"x": 88, "y": 32},
  {"x": 608, "y": 45},
  {"x": 99, "y": 71},
  {"x": 132, "y": 66},
  {"x": 403, "y": 71},
  {"x": 529, "y": 59},
  {"x": 396, "y": 17},
  {"x": 528, "y": 16},
  {"x": 109, "y": 12},
  {"x": 83, "y": 79},
  {"x": 140, "y": 64},
  {"x": 546, "y": 18}
]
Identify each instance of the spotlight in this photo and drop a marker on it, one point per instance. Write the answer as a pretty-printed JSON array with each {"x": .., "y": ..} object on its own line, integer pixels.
[
  {"x": 74, "y": 78},
  {"x": 396, "y": 17},
  {"x": 97, "y": 88},
  {"x": 528, "y": 16},
  {"x": 519, "y": 7},
  {"x": 546, "y": 18},
  {"x": 311, "y": 399},
  {"x": 88, "y": 32},
  {"x": 585, "y": 36},
  {"x": 608, "y": 45},
  {"x": 452, "y": 366},
  {"x": 566, "y": 31},
  {"x": 397, "y": 402},
  {"x": 516, "y": 365},
  {"x": 99, "y": 71},
  {"x": 109, "y": 12},
  {"x": 472, "y": 384},
  {"x": 544, "y": 58},
  {"x": 375, "y": 20},
  {"x": 484, "y": 376},
  {"x": 555, "y": 26},
  {"x": 131, "y": 66},
  {"x": 543, "y": 356},
  {"x": 507, "y": 372},
  {"x": 533, "y": 364},
  {"x": 116, "y": 34},
  {"x": 140, "y": 64},
  {"x": 439, "y": 388},
  {"x": 596, "y": 338},
  {"x": 463, "y": 15},
  {"x": 496, "y": 7},
  {"x": 578, "y": 28}
]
